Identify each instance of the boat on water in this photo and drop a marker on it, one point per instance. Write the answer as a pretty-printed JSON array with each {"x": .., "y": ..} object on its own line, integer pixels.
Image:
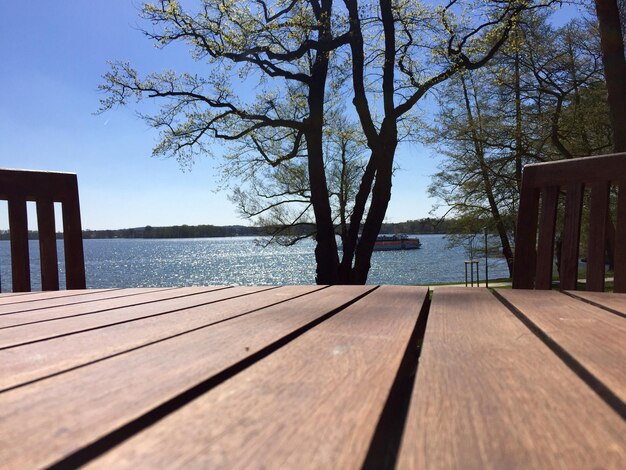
[{"x": 396, "y": 242}]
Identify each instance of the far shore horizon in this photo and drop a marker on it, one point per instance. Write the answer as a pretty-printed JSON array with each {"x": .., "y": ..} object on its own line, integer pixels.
[{"x": 423, "y": 226}]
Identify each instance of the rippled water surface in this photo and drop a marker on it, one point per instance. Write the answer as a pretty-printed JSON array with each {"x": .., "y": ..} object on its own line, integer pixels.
[{"x": 241, "y": 260}]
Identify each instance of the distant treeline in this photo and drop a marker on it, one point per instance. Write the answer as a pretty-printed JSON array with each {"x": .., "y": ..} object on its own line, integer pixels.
[
  {"x": 421, "y": 226},
  {"x": 178, "y": 231}
]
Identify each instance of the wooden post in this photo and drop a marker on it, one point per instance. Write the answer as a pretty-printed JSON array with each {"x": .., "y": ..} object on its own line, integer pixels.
[
  {"x": 545, "y": 244},
  {"x": 599, "y": 212},
  {"x": 571, "y": 236},
  {"x": 20, "y": 258},
  {"x": 73, "y": 240},
  {"x": 47, "y": 245},
  {"x": 526, "y": 235}
]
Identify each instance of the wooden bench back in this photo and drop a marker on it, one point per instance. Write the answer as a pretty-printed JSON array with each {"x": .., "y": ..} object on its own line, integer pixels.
[
  {"x": 45, "y": 188},
  {"x": 544, "y": 182}
]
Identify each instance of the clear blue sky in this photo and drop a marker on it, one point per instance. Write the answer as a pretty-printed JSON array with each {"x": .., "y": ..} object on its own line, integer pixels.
[{"x": 53, "y": 54}]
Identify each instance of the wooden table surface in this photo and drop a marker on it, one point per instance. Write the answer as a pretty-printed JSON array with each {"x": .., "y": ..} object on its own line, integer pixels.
[{"x": 313, "y": 377}]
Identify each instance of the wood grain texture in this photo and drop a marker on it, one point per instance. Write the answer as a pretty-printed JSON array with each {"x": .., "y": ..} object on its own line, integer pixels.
[
  {"x": 612, "y": 301},
  {"x": 23, "y": 297},
  {"x": 33, "y": 361},
  {"x": 598, "y": 217},
  {"x": 81, "y": 406},
  {"x": 571, "y": 237},
  {"x": 545, "y": 243},
  {"x": 16, "y": 312},
  {"x": 489, "y": 394},
  {"x": 100, "y": 314},
  {"x": 312, "y": 404},
  {"x": 12, "y": 294},
  {"x": 594, "y": 337}
]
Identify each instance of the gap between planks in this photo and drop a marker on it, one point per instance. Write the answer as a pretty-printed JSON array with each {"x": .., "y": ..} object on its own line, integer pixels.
[
  {"x": 611, "y": 302},
  {"x": 160, "y": 303},
  {"x": 101, "y": 403},
  {"x": 41, "y": 360},
  {"x": 587, "y": 339},
  {"x": 25, "y": 297},
  {"x": 87, "y": 297},
  {"x": 490, "y": 394},
  {"x": 314, "y": 403}
]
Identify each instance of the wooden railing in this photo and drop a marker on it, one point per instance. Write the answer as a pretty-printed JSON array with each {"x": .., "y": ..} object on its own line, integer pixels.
[
  {"x": 45, "y": 188},
  {"x": 534, "y": 253}
]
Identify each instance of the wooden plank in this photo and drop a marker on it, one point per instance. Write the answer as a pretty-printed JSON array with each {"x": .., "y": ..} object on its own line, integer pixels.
[
  {"x": 611, "y": 301},
  {"x": 598, "y": 217},
  {"x": 313, "y": 404},
  {"x": 619, "y": 282},
  {"x": 17, "y": 313},
  {"x": 32, "y": 185},
  {"x": 22, "y": 297},
  {"x": 81, "y": 317},
  {"x": 579, "y": 170},
  {"x": 12, "y": 294},
  {"x": 50, "y": 419},
  {"x": 571, "y": 237},
  {"x": 20, "y": 259},
  {"x": 34, "y": 361},
  {"x": 490, "y": 394},
  {"x": 593, "y": 337},
  {"x": 526, "y": 235},
  {"x": 545, "y": 244},
  {"x": 47, "y": 245}
]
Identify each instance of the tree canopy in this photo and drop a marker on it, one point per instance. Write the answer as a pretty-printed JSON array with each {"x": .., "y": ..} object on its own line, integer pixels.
[
  {"x": 274, "y": 73},
  {"x": 542, "y": 98}
]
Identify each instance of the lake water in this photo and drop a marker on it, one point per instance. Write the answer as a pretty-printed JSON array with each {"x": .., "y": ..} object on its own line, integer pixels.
[{"x": 242, "y": 261}]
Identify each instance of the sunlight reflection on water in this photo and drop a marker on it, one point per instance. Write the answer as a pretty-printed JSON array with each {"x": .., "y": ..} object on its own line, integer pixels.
[{"x": 241, "y": 261}]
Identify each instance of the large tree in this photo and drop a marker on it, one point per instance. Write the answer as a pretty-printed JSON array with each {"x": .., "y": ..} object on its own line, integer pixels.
[
  {"x": 541, "y": 98},
  {"x": 387, "y": 55}
]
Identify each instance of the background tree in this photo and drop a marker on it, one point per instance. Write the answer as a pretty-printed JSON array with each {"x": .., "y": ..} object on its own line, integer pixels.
[
  {"x": 396, "y": 52},
  {"x": 410, "y": 67},
  {"x": 278, "y": 197},
  {"x": 541, "y": 98},
  {"x": 283, "y": 50}
]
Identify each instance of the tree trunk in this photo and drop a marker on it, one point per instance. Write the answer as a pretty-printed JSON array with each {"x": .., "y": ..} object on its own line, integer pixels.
[
  {"x": 518, "y": 120},
  {"x": 326, "y": 256},
  {"x": 383, "y": 148},
  {"x": 350, "y": 243},
  {"x": 507, "y": 252},
  {"x": 612, "y": 43},
  {"x": 381, "y": 194}
]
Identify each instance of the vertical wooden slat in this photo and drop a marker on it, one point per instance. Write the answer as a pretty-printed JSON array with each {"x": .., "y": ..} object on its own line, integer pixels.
[
  {"x": 571, "y": 236},
  {"x": 545, "y": 244},
  {"x": 20, "y": 259},
  {"x": 526, "y": 235},
  {"x": 47, "y": 245},
  {"x": 598, "y": 215},
  {"x": 619, "y": 283},
  {"x": 73, "y": 240}
]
